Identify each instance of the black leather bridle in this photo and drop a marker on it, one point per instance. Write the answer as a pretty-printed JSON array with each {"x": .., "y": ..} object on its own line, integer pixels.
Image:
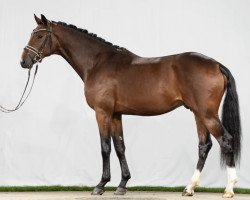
[
  {"x": 39, "y": 52},
  {"x": 37, "y": 58}
]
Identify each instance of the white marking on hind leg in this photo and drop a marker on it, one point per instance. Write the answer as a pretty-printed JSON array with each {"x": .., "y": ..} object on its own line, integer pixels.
[
  {"x": 232, "y": 180},
  {"x": 194, "y": 182}
]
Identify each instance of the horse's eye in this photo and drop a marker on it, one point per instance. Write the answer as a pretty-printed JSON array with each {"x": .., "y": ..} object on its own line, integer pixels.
[{"x": 39, "y": 36}]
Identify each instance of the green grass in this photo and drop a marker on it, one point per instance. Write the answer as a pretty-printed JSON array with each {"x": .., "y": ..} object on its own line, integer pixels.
[{"x": 135, "y": 188}]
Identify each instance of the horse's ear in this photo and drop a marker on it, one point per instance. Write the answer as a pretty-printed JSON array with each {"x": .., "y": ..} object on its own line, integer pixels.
[
  {"x": 38, "y": 21},
  {"x": 44, "y": 20}
]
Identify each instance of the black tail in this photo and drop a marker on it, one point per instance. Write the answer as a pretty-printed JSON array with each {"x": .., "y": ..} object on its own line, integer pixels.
[{"x": 231, "y": 115}]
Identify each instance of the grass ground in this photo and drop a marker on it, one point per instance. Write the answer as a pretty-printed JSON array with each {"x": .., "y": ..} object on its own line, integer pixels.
[{"x": 136, "y": 188}]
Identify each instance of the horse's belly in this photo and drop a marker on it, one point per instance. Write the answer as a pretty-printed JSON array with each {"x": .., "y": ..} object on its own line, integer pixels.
[{"x": 147, "y": 106}]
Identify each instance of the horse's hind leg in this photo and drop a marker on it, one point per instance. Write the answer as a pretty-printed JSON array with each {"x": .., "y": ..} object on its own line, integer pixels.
[
  {"x": 118, "y": 140},
  {"x": 225, "y": 140},
  {"x": 205, "y": 144}
]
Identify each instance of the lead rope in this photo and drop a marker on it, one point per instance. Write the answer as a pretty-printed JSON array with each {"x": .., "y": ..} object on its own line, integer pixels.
[{"x": 23, "y": 98}]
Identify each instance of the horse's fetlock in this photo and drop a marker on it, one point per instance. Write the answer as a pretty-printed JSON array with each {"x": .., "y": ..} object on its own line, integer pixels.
[
  {"x": 126, "y": 176},
  {"x": 106, "y": 178}
]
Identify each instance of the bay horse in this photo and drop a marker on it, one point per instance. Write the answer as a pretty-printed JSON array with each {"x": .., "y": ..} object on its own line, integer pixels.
[{"x": 119, "y": 82}]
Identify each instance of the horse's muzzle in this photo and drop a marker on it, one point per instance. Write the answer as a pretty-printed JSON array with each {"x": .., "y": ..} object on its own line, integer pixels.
[{"x": 27, "y": 63}]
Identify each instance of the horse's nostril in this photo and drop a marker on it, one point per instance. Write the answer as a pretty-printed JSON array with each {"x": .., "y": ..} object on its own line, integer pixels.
[{"x": 22, "y": 62}]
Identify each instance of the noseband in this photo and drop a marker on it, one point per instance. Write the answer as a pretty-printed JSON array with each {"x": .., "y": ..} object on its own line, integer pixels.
[{"x": 39, "y": 52}]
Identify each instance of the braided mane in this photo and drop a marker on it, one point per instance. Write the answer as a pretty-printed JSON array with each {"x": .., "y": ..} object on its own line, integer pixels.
[{"x": 84, "y": 31}]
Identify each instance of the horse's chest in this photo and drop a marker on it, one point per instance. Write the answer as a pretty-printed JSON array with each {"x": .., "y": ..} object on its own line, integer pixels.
[{"x": 100, "y": 95}]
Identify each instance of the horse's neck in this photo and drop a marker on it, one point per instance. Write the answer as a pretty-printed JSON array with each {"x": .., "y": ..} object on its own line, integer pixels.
[{"x": 79, "y": 50}]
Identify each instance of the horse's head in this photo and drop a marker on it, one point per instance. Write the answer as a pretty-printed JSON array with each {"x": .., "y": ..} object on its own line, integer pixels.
[{"x": 41, "y": 43}]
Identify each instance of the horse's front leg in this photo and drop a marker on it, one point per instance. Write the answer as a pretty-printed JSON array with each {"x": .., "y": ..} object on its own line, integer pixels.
[
  {"x": 118, "y": 140},
  {"x": 103, "y": 120}
]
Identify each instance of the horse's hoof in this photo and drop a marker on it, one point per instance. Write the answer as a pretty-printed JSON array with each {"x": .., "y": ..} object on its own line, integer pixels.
[
  {"x": 187, "y": 192},
  {"x": 97, "y": 191},
  {"x": 120, "y": 191},
  {"x": 228, "y": 194}
]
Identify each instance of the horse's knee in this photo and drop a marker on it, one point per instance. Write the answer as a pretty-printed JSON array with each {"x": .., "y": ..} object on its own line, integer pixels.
[
  {"x": 106, "y": 147},
  {"x": 106, "y": 152}
]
